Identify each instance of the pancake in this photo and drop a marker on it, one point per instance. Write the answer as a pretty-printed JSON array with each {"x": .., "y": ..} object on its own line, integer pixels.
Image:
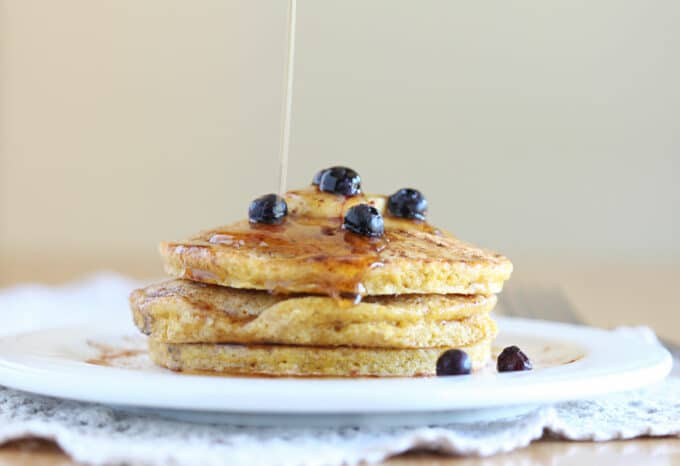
[
  {"x": 181, "y": 311},
  {"x": 282, "y": 360},
  {"x": 309, "y": 252}
]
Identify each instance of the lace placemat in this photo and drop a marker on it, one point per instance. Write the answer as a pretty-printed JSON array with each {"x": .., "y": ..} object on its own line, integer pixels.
[{"x": 99, "y": 435}]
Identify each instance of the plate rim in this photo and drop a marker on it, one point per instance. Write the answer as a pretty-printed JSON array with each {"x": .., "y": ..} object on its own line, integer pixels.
[{"x": 346, "y": 396}]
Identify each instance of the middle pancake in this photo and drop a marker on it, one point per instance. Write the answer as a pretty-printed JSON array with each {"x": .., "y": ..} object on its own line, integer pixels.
[{"x": 181, "y": 311}]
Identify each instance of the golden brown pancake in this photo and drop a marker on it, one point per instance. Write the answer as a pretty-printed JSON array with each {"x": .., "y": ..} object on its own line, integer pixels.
[
  {"x": 282, "y": 360},
  {"x": 310, "y": 252},
  {"x": 181, "y": 311}
]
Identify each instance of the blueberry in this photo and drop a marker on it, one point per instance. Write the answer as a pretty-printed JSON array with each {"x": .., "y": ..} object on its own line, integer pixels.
[
  {"x": 269, "y": 209},
  {"x": 339, "y": 180},
  {"x": 454, "y": 362},
  {"x": 513, "y": 359},
  {"x": 317, "y": 178},
  {"x": 407, "y": 203},
  {"x": 364, "y": 219}
]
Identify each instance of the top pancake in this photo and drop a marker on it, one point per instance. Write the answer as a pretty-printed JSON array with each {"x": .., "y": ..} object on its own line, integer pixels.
[{"x": 311, "y": 253}]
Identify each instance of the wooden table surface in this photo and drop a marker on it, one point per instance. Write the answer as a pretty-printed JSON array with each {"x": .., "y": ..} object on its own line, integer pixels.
[{"x": 605, "y": 294}]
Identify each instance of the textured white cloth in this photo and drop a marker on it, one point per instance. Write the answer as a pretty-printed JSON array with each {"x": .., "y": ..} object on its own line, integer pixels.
[{"x": 99, "y": 435}]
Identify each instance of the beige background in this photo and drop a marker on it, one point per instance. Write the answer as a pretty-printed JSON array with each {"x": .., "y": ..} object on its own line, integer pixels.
[{"x": 547, "y": 130}]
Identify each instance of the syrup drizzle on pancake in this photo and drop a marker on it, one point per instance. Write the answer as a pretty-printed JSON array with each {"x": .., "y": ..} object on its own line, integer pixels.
[
  {"x": 342, "y": 258},
  {"x": 346, "y": 256}
]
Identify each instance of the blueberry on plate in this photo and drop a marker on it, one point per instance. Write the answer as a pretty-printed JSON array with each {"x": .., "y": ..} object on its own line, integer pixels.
[
  {"x": 407, "y": 203},
  {"x": 339, "y": 180},
  {"x": 365, "y": 220},
  {"x": 269, "y": 209},
  {"x": 454, "y": 362},
  {"x": 513, "y": 359}
]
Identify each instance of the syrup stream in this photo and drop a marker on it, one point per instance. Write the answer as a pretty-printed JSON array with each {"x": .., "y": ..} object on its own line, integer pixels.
[{"x": 287, "y": 98}]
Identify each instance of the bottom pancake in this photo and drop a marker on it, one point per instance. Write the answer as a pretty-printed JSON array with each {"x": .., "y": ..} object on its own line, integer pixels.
[{"x": 283, "y": 360}]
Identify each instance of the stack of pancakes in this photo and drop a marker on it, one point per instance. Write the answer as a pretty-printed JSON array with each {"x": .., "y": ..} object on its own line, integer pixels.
[{"x": 308, "y": 298}]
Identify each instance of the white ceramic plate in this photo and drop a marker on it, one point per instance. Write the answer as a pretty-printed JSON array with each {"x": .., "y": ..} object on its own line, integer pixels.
[{"x": 102, "y": 364}]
